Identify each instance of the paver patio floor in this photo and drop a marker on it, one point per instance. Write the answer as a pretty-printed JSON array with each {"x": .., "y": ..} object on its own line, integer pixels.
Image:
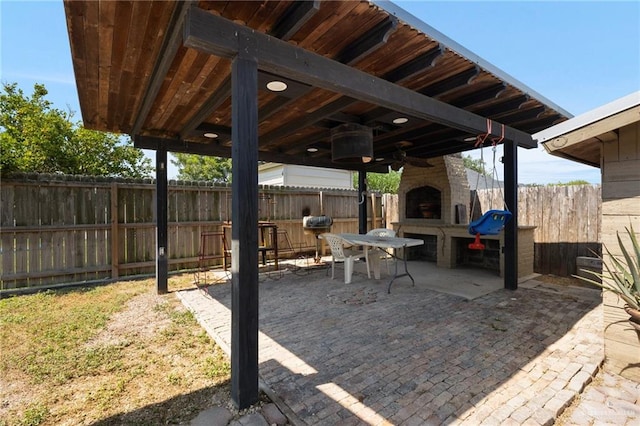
[{"x": 353, "y": 354}]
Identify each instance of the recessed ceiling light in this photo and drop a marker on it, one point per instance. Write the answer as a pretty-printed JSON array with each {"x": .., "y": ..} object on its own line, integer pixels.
[
  {"x": 211, "y": 135},
  {"x": 312, "y": 149},
  {"x": 277, "y": 86},
  {"x": 400, "y": 120},
  {"x": 470, "y": 139}
]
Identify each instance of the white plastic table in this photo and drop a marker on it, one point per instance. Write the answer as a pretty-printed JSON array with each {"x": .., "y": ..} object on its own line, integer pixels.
[{"x": 371, "y": 241}]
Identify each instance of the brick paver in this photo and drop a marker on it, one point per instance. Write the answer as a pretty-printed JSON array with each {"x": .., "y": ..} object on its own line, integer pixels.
[{"x": 417, "y": 356}]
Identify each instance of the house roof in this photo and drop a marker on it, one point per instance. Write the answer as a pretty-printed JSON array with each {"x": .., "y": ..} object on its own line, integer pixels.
[
  {"x": 479, "y": 181},
  {"x": 580, "y": 138},
  {"x": 161, "y": 72}
]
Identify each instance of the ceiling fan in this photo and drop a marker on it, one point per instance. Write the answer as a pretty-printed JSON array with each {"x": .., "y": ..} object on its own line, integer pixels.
[{"x": 400, "y": 158}]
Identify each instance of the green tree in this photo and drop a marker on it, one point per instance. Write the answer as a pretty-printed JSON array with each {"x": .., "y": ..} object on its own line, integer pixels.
[
  {"x": 35, "y": 137},
  {"x": 570, "y": 183},
  {"x": 200, "y": 167},
  {"x": 477, "y": 164},
  {"x": 386, "y": 183}
]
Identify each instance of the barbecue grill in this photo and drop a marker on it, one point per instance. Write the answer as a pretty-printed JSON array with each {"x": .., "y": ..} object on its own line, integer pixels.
[{"x": 316, "y": 225}]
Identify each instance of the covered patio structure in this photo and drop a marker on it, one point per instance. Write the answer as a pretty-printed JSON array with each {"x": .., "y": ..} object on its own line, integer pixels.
[{"x": 287, "y": 81}]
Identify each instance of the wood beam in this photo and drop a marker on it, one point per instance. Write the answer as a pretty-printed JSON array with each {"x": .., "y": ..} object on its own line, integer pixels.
[
  {"x": 244, "y": 229},
  {"x": 510, "y": 249},
  {"x": 541, "y": 123},
  {"x": 215, "y": 35},
  {"x": 294, "y": 18},
  {"x": 216, "y": 150},
  {"x": 415, "y": 132},
  {"x": 415, "y": 66},
  {"x": 523, "y": 115},
  {"x": 481, "y": 95},
  {"x": 456, "y": 81},
  {"x": 369, "y": 42},
  {"x": 162, "y": 249},
  {"x": 170, "y": 45},
  {"x": 397, "y": 75},
  {"x": 435, "y": 89},
  {"x": 214, "y": 128},
  {"x": 506, "y": 105}
]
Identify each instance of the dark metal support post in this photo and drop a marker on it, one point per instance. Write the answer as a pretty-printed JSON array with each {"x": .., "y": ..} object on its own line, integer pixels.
[
  {"x": 244, "y": 231},
  {"x": 511, "y": 229},
  {"x": 362, "y": 200},
  {"x": 162, "y": 268}
]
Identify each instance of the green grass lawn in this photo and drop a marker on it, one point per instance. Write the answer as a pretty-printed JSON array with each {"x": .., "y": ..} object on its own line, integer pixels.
[{"x": 113, "y": 354}]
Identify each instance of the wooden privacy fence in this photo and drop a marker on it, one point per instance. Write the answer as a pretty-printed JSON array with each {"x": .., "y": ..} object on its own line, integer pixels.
[
  {"x": 567, "y": 221},
  {"x": 62, "y": 229}
]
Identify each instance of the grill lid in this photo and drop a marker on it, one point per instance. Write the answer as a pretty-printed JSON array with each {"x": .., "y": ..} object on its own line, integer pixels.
[{"x": 312, "y": 222}]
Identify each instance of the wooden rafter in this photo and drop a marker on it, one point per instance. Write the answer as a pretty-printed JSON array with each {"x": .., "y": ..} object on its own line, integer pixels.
[{"x": 218, "y": 36}]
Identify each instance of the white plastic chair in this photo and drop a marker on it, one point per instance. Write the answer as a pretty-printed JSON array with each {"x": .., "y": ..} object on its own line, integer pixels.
[
  {"x": 381, "y": 232},
  {"x": 341, "y": 254}
]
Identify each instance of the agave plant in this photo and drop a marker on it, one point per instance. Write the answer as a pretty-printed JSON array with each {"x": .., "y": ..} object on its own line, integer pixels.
[{"x": 621, "y": 277}]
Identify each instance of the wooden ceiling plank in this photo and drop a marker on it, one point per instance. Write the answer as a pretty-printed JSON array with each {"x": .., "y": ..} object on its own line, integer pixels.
[
  {"x": 325, "y": 39},
  {"x": 174, "y": 87},
  {"x": 308, "y": 120},
  {"x": 215, "y": 100},
  {"x": 155, "y": 23},
  {"x": 365, "y": 45},
  {"x": 110, "y": 59},
  {"x": 126, "y": 52},
  {"x": 401, "y": 73},
  {"x": 75, "y": 13},
  {"x": 171, "y": 43},
  {"x": 84, "y": 20},
  {"x": 219, "y": 36}
]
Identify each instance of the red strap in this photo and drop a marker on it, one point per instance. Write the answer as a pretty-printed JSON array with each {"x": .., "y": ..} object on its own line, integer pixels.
[
  {"x": 496, "y": 141},
  {"x": 481, "y": 138}
]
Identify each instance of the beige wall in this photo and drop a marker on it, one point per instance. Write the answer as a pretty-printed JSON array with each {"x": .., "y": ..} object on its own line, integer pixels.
[{"x": 620, "y": 208}]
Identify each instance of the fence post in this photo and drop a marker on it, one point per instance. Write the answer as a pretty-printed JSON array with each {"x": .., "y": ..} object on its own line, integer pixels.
[{"x": 115, "y": 254}]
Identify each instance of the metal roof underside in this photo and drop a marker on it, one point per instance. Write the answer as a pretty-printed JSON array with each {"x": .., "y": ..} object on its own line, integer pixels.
[{"x": 160, "y": 72}]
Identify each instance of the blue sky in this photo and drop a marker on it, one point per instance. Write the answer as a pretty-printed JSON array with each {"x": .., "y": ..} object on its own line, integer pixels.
[{"x": 578, "y": 55}]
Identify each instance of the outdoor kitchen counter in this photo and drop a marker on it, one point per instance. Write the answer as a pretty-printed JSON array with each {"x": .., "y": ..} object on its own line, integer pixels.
[{"x": 446, "y": 242}]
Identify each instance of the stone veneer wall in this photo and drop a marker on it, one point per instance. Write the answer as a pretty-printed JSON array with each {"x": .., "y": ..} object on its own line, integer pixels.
[{"x": 447, "y": 175}]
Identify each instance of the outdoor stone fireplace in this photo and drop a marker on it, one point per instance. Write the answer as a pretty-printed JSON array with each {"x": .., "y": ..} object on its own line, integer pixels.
[
  {"x": 429, "y": 195},
  {"x": 434, "y": 205},
  {"x": 424, "y": 203}
]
